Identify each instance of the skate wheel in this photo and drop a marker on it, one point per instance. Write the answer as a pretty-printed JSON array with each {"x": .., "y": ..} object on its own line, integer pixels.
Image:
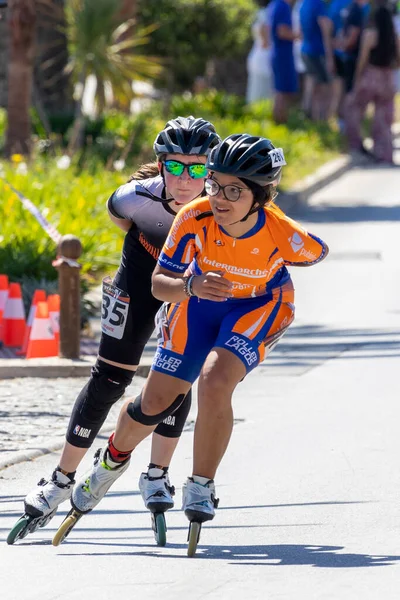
[
  {"x": 160, "y": 529},
  {"x": 65, "y": 528},
  {"x": 193, "y": 537},
  {"x": 20, "y": 530}
]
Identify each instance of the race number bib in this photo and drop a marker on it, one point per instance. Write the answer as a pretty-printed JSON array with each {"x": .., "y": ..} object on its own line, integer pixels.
[
  {"x": 115, "y": 306},
  {"x": 277, "y": 157}
]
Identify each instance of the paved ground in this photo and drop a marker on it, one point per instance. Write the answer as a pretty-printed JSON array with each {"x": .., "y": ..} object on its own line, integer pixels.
[{"x": 309, "y": 487}]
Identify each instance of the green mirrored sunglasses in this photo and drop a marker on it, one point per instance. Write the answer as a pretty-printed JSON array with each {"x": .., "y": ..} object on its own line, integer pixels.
[{"x": 195, "y": 170}]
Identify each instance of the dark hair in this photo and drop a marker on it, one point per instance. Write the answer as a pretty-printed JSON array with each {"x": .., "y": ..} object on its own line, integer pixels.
[
  {"x": 145, "y": 172},
  {"x": 385, "y": 52},
  {"x": 262, "y": 195}
]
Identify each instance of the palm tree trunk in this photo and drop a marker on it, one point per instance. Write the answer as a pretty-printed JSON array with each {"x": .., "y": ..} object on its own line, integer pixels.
[
  {"x": 128, "y": 9},
  {"x": 77, "y": 133},
  {"x": 22, "y": 31}
]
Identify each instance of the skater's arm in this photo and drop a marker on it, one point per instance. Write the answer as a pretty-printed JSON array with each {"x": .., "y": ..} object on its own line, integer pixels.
[
  {"x": 124, "y": 224},
  {"x": 172, "y": 287}
]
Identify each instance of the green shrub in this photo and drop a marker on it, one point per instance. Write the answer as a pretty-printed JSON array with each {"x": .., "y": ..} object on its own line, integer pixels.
[
  {"x": 72, "y": 202},
  {"x": 190, "y": 32}
]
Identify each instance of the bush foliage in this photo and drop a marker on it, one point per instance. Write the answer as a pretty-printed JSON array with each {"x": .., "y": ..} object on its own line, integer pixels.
[{"x": 191, "y": 32}]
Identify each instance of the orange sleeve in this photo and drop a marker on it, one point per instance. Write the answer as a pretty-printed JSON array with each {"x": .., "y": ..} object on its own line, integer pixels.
[
  {"x": 298, "y": 247},
  {"x": 179, "y": 247}
]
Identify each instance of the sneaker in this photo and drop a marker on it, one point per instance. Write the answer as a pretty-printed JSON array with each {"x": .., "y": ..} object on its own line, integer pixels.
[
  {"x": 45, "y": 498},
  {"x": 92, "y": 487},
  {"x": 156, "y": 492},
  {"x": 199, "y": 501}
]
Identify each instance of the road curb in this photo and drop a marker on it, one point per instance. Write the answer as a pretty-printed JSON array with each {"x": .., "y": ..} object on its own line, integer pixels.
[
  {"x": 51, "y": 368},
  {"x": 300, "y": 193},
  {"x": 29, "y": 455}
]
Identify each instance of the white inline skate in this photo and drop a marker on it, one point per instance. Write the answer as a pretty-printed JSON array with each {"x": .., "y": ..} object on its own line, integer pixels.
[
  {"x": 157, "y": 493},
  {"x": 89, "y": 490},
  {"x": 199, "y": 503},
  {"x": 41, "y": 505}
]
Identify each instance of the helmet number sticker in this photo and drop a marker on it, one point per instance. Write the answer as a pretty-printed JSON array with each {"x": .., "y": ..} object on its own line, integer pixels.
[
  {"x": 277, "y": 157},
  {"x": 114, "y": 310}
]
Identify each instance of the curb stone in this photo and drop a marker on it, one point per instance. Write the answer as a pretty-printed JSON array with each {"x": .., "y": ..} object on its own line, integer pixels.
[
  {"x": 29, "y": 455},
  {"x": 51, "y": 368},
  {"x": 298, "y": 195}
]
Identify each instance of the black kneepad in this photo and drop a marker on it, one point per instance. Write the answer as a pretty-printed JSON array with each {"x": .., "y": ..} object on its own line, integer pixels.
[
  {"x": 134, "y": 410},
  {"x": 108, "y": 383},
  {"x": 105, "y": 387},
  {"x": 173, "y": 425}
]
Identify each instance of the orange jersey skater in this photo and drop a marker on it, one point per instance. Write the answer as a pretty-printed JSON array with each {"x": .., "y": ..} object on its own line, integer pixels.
[{"x": 262, "y": 306}]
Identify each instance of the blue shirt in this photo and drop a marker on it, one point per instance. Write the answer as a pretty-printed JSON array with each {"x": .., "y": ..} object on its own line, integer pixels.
[
  {"x": 337, "y": 13},
  {"x": 281, "y": 14},
  {"x": 355, "y": 18},
  {"x": 312, "y": 37}
]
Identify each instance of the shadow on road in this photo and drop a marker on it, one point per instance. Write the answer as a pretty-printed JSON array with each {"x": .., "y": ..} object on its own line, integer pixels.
[
  {"x": 329, "y": 557},
  {"x": 308, "y": 346}
]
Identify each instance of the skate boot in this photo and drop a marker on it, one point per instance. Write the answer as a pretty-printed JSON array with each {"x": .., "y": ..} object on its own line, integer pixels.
[
  {"x": 157, "y": 495},
  {"x": 90, "y": 489},
  {"x": 41, "y": 504},
  {"x": 199, "y": 503}
]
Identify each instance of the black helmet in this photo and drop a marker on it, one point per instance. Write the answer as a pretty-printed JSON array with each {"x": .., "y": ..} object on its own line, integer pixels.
[
  {"x": 186, "y": 135},
  {"x": 248, "y": 157}
]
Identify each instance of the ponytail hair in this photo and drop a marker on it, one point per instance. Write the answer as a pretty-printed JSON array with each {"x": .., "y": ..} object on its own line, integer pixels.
[{"x": 145, "y": 172}]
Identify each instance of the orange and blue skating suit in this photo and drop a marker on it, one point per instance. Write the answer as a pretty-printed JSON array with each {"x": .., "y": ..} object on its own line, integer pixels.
[{"x": 251, "y": 322}]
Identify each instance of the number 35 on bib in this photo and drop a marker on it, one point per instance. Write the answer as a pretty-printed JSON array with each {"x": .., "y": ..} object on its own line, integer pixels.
[{"x": 114, "y": 311}]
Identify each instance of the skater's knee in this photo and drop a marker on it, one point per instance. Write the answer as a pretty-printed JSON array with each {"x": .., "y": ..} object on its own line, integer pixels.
[
  {"x": 105, "y": 387},
  {"x": 216, "y": 386},
  {"x": 172, "y": 426},
  {"x": 108, "y": 383},
  {"x": 154, "y": 410}
]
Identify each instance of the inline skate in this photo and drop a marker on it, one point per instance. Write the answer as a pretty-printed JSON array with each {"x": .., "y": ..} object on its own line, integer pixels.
[
  {"x": 41, "y": 505},
  {"x": 89, "y": 490},
  {"x": 199, "y": 503},
  {"x": 157, "y": 493}
]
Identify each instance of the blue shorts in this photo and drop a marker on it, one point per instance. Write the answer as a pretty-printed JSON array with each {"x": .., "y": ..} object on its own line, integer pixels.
[
  {"x": 285, "y": 77},
  {"x": 248, "y": 328}
]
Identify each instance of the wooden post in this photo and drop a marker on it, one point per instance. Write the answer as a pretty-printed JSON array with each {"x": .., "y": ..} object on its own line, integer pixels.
[{"x": 69, "y": 250}]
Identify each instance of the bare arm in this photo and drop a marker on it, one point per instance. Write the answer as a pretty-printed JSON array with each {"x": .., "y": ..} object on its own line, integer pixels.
[
  {"x": 265, "y": 37},
  {"x": 368, "y": 41},
  {"x": 351, "y": 38},
  {"x": 286, "y": 33},
  {"x": 169, "y": 286},
  {"x": 326, "y": 30},
  {"x": 124, "y": 224}
]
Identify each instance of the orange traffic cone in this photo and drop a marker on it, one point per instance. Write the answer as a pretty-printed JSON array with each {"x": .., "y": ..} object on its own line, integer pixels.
[
  {"x": 38, "y": 296},
  {"x": 53, "y": 302},
  {"x": 3, "y": 300},
  {"x": 42, "y": 342},
  {"x": 14, "y": 317}
]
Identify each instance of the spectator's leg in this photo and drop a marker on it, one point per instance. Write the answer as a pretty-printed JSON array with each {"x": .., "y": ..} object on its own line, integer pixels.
[
  {"x": 308, "y": 92},
  {"x": 382, "y": 127},
  {"x": 336, "y": 101},
  {"x": 279, "y": 111},
  {"x": 355, "y": 105}
]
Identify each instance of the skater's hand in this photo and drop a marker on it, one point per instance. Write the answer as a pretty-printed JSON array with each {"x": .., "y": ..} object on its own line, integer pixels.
[{"x": 212, "y": 285}]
